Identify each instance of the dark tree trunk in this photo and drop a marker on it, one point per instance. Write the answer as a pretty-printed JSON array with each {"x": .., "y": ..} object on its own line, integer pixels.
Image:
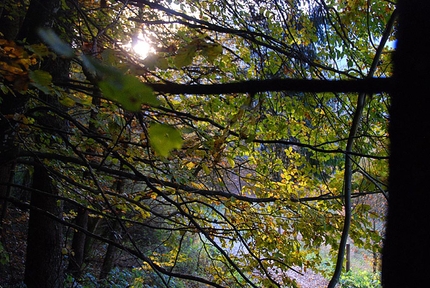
[
  {"x": 109, "y": 258},
  {"x": 406, "y": 254},
  {"x": 10, "y": 105},
  {"x": 44, "y": 267},
  {"x": 78, "y": 244},
  {"x": 108, "y": 261}
]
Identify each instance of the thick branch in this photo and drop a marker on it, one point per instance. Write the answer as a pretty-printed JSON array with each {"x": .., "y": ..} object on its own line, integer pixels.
[{"x": 372, "y": 85}]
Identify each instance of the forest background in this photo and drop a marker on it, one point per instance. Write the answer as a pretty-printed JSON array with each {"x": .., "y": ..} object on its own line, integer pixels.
[{"x": 251, "y": 134}]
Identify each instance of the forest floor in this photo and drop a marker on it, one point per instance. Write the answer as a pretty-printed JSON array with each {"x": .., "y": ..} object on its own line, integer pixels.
[
  {"x": 309, "y": 279},
  {"x": 14, "y": 236}
]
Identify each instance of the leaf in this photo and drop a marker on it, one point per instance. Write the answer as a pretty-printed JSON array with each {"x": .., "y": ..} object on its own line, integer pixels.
[
  {"x": 128, "y": 91},
  {"x": 98, "y": 69},
  {"x": 162, "y": 63},
  {"x": 206, "y": 169},
  {"x": 184, "y": 56},
  {"x": 212, "y": 51},
  {"x": 40, "y": 49},
  {"x": 230, "y": 161},
  {"x": 59, "y": 46},
  {"x": 156, "y": 60},
  {"x": 164, "y": 138},
  {"x": 42, "y": 80}
]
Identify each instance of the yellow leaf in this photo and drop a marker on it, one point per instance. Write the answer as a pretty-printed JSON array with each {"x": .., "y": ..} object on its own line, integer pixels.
[{"x": 190, "y": 165}]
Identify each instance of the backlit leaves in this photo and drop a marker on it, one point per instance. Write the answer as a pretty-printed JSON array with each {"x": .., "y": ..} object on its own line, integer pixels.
[
  {"x": 128, "y": 91},
  {"x": 156, "y": 60},
  {"x": 184, "y": 56},
  {"x": 15, "y": 62},
  {"x": 212, "y": 51},
  {"x": 264, "y": 145},
  {"x": 164, "y": 138}
]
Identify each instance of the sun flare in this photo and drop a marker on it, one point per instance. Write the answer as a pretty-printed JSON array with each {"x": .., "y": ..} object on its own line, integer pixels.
[{"x": 141, "y": 48}]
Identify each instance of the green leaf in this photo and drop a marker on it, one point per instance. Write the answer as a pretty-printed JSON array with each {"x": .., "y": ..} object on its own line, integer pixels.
[
  {"x": 206, "y": 169},
  {"x": 184, "y": 56},
  {"x": 42, "y": 80},
  {"x": 164, "y": 138},
  {"x": 156, "y": 60},
  {"x": 100, "y": 70},
  {"x": 59, "y": 46},
  {"x": 128, "y": 91},
  {"x": 212, "y": 51},
  {"x": 162, "y": 63},
  {"x": 230, "y": 161}
]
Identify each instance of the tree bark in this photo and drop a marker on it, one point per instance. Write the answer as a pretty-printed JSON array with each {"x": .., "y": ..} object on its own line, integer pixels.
[
  {"x": 43, "y": 266},
  {"x": 108, "y": 261},
  {"x": 406, "y": 252},
  {"x": 10, "y": 105},
  {"x": 109, "y": 258},
  {"x": 78, "y": 244}
]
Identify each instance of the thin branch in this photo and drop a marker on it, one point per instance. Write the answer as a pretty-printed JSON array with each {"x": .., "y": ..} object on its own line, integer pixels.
[{"x": 348, "y": 160}]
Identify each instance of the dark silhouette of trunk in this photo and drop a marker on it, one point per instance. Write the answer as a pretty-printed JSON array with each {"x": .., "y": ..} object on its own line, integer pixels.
[
  {"x": 406, "y": 251},
  {"x": 78, "y": 244},
  {"x": 11, "y": 104},
  {"x": 44, "y": 267},
  {"x": 108, "y": 261},
  {"x": 10, "y": 21}
]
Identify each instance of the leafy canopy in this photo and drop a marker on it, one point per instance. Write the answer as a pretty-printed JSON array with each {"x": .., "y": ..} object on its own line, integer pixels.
[{"x": 257, "y": 179}]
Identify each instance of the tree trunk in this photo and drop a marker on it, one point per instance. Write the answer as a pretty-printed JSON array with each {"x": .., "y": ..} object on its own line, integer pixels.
[
  {"x": 108, "y": 261},
  {"x": 406, "y": 251},
  {"x": 78, "y": 244},
  {"x": 43, "y": 266},
  {"x": 109, "y": 258},
  {"x": 11, "y": 104}
]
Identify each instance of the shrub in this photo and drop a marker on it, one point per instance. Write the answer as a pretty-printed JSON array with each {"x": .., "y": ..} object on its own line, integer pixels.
[{"x": 360, "y": 279}]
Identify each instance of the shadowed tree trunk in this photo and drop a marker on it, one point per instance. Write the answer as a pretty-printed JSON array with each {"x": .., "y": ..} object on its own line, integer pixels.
[
  {"x": 406, "y": 255},
  {"x": 78, "y": 244},
  {"x": 44, "y": 267},
  {"x": 109, "y": 258},
  {"x": 11, "y": 104},
  {"x": 108, "y": 261}
]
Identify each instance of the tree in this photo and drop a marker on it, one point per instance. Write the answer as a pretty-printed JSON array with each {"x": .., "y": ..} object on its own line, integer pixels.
[
  {"x": 407, "y": 226},
  {"x": 44, "y": 265},
  {"x": 255, "y": 128}
]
